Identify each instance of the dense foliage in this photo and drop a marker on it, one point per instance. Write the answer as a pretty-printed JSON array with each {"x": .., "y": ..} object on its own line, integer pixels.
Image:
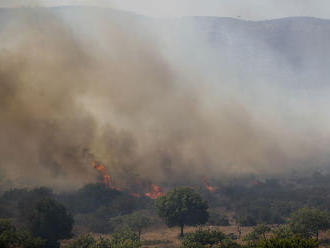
[
  {"x": 308, "y": 222},
  {"x": 124, "y": 239},
  {"x": 299, "y": 204},
  {"x": 207, "y": 238},
  {"x": 259, "y": 232},
  {"x": 11, "y": 237},
  {"x": 182, "y": 206},
  {"x": 137, "y": 222},
  {"x": 50, "y": 221},
  {"x": 203, "y": 237},
  {"x": 272, "y": 201},
  {"x": 294, "y": 242}
]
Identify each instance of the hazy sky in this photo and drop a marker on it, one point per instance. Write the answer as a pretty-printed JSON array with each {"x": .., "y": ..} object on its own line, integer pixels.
[{"x": 247, "y": 9}]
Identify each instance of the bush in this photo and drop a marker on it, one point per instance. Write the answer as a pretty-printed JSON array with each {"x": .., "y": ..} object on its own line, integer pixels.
[
  {"x": 49, "y": 220},
  {"x": 90, "y": 197},
  {"x": 136, "y": 221},
  {"x": 83, "y": 241},
  {"x": 308, "y": 222},
  {"x": 93, "y": 222},
  {"x": 217, "y": 219},
  {"x": 259, "y": 232},
  {"x": 207, "y": 238},
  {"x": 10, "y": 237},
  {"x": 294, "y": 242},
  {"x": 282, "y": 232},
  {"x": 247, "y": 220},
  {"x": 125, "y": 239}
]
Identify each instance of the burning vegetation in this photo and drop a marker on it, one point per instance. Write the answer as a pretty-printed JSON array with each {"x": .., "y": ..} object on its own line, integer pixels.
[
  {"x": 101, "y": 168},
  {"x": 155, "y": 190},
  {"x": 208, "y": 186}
]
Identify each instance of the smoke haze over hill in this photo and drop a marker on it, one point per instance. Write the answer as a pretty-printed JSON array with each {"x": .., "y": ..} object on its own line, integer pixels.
[{"x": 159, "y": 100}]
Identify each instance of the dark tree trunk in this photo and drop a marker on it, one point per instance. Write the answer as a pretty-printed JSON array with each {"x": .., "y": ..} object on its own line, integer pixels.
[{"x": 181, "y": 233}]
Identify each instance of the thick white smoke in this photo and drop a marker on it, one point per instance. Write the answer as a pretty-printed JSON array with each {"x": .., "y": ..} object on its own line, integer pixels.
[{"x": 153, "y": 99}]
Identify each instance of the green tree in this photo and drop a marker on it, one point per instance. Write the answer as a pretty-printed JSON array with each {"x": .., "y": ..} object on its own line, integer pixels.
[
  {"x": 10, "y": 237},
  {"x": 182, "y": 206},
  {"x": 91, "y": 197},
  {"x": 308, "y": 222},
  {"x": 50, "y": 220},
  {"x": 136, "y": 221}
]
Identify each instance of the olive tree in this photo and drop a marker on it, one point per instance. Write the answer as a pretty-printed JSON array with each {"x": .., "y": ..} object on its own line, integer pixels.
[
  {"x": 50, "y": 221},
  {"x": 308, "y": 222},
  {"x": 182, "y": 206}
]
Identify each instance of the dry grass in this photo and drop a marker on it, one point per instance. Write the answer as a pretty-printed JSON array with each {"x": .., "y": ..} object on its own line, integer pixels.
[{"x": 164, "y": 237}]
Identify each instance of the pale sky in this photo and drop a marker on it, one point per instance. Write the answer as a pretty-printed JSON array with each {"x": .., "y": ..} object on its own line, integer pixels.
[{"x": 246, "y": 9}]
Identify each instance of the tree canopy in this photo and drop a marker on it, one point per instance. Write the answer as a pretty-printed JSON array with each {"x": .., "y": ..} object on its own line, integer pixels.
[
  {"x": 11, "y": 237},
  {"x": 50, "y": 220},
  {"x": 182, "y": 206},
  {"x": 136, "y": 221},
  {"x": 308, "y": 222}
]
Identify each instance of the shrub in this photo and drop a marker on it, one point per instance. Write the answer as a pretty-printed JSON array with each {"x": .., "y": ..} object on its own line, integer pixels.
[
  {"x": 217, "y": 219},
  {"x": 294, "y": 242},
  {"x": 136, "y": 221},
  {"x": 308, "y": 222},
  {"x": 50, "y": 220},
  {"x": 125, "y": 239},
  {"x": 10, "y": 237},
  {"x": 282, "y": 232},
  {"x": 258, "y": 232},
  {"x": 207, "y": 238}
]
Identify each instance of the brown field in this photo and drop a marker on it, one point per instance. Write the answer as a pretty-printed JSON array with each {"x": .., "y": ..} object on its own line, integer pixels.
[{"x": 164, "y": 237}]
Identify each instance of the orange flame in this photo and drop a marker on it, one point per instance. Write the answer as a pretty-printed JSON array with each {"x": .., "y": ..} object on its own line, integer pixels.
[
  {"x": 156, "y": 191},
  {"x": 106, "y": 177},
  {"x": 208, "y": 186},
  {"x": 101, "y": 168}
]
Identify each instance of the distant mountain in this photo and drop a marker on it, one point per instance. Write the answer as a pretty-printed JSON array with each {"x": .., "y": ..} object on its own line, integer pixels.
[{"x": 293, "y": 51}]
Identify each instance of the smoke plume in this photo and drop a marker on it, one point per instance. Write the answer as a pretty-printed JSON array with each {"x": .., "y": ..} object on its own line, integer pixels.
[{"x": 92, "y": 86}]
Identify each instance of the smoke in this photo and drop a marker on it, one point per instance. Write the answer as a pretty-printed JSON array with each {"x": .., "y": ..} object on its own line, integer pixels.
[{"x": 79, "y": 85}]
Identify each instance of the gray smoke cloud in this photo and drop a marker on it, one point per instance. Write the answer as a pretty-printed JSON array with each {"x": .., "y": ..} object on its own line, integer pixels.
[{"x": 79, "y": 85}]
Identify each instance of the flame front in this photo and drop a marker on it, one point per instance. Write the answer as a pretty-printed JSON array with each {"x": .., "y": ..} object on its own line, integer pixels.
[
  {"x": 101, "y": 168},
  {"x": 156, "y": 191},
  {"x": 208, "y": 186}
]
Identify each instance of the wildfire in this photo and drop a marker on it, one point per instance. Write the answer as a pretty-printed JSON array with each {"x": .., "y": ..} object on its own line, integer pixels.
[
  {"x": 208, "y": 186},
  {"x": 101, "y": 168},
  {"x": 156, "y": 191},
  {"x": 106, "y": 177}
]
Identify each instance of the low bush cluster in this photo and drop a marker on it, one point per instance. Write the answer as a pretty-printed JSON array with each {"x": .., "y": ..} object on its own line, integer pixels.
[{"x": 123, "y": 239}]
